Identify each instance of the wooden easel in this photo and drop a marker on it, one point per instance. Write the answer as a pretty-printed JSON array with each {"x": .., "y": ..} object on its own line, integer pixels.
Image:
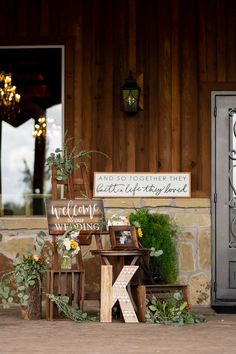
[
  {"x": 62, "y": 281},
  {"x": 72, "y": 185}
]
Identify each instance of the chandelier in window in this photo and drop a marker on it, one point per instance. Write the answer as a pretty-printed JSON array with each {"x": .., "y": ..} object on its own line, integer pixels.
[
  {"x": 9, "y": 99},
  {"x": 40, "y": 128}
]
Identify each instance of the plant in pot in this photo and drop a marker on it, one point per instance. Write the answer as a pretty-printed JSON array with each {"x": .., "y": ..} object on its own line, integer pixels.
[
  {"x": 158, "y": 233},
  {"x": 23, "y": 283}
]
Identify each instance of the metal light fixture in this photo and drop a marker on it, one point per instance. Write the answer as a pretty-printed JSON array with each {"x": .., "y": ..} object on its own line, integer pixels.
[
  {"x": 130, "y": 95},
  {"x": 9, "y": 99}
]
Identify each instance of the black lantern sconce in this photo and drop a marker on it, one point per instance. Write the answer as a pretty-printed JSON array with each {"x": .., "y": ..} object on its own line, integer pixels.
[{"x": 130, "y": 95}]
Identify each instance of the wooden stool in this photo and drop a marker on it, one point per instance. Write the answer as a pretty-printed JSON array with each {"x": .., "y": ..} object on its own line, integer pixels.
[
  {"x": 145, "y": 292},
  {"x": 65, "y": 283}
]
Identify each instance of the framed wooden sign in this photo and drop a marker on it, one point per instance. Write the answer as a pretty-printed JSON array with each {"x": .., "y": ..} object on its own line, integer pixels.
[
  {"x": 87, "y": 215},
  {"x": 149, "y": 185}
]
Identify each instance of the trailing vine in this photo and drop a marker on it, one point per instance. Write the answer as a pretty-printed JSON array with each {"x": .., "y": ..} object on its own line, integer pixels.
[{"x": 71, "y": 312}]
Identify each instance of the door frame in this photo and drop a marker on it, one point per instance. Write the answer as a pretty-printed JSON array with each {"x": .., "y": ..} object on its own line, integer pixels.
[{"x": 214, "y": 301}]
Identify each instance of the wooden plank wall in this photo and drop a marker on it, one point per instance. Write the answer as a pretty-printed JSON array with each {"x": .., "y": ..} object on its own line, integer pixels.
[{"x": 185, "y": 49}]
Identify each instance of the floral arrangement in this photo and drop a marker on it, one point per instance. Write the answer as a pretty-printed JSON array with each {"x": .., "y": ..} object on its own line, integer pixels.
[
  {"x": 27, "y": 273},
  {"x": 68, "y": 246},
  {"x": 173, "y": 310},
  {"x": 116, "y": 219}
]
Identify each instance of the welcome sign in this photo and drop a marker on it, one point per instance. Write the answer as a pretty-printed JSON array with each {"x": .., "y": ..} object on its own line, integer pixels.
[
  {"x": 142, "y": 185},
  {"x": 86, "y": 215}
]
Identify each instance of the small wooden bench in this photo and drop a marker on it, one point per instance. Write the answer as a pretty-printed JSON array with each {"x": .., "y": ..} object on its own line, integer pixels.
[{"x": 145, "y": 292}]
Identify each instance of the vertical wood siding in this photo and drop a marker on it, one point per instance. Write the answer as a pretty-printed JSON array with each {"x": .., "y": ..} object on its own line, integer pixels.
[{"x": 184, "y": 49}]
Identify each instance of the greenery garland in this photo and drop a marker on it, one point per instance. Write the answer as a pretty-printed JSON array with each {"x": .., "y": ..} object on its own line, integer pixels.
[
  {"x": 158, "y": 232},
  {"x": 71, "y": 312},
  {"x": 172, "y": 310}
]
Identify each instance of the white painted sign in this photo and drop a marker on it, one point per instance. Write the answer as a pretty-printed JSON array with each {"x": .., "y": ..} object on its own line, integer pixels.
[{"x": 142, "y": 185}]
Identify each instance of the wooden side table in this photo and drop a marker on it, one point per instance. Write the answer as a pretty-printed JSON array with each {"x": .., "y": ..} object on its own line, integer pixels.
[{"x": 119, "y": 258}]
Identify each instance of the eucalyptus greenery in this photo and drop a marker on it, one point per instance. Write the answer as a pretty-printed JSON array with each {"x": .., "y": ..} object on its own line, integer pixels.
[
  {"x": 64, "y": 159},
  {"x": 173, "y": 310},
  {"x": 27, "y": 272},
  {"x": 71, "y": 312},
  {"x": 159, "y": 234}
]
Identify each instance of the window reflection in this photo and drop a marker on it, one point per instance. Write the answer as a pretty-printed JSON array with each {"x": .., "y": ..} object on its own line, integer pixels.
[
  {"x": 37, "y": 73},
  {"x": 19, "y": 197}
]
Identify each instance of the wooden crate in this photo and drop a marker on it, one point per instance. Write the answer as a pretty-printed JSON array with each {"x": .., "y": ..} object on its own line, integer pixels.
[
  {"x": 160, "y": 291},
  {"x": 64, "y": 282}
]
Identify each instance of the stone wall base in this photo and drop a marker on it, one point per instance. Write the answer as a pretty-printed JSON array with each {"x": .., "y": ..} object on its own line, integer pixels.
[{"x": 192, "y": 215}]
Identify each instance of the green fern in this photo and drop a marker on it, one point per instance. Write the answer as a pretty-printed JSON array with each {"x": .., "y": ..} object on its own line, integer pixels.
[{"x": 71, "y": 312}]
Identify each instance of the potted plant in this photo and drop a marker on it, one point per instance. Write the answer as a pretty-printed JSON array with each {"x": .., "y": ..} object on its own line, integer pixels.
[
  {"x": 24, "y": 283},
  {"x": 158, "y": 232}
]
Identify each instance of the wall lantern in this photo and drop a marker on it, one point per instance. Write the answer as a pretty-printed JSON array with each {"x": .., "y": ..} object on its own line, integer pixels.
[{"x": 130, "y": 95}]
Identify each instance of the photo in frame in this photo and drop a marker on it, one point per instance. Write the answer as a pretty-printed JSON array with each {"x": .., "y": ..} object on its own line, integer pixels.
[{"x": 123, "y": 237}]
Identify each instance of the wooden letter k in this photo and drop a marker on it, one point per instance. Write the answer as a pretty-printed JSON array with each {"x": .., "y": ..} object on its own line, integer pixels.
[{"x": 120, "y": 293}]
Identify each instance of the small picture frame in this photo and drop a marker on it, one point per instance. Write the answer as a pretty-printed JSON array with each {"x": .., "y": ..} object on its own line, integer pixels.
[{"x": 123, "y": 237}]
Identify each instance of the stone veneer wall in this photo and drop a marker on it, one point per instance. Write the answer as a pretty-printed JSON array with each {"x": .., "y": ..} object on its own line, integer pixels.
[
  {"x": 194, "y": 241},
  {"x": 193, "y": 216}
]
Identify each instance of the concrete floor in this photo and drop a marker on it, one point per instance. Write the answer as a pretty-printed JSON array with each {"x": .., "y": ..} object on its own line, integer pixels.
[{"x": 217, "y": 335}]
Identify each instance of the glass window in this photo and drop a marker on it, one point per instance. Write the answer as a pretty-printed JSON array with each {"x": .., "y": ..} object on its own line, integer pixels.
[{"x": 25, "y": 180}]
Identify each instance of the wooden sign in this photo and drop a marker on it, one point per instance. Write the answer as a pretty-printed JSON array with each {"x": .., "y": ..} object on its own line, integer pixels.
[
  {"x": 87, "y": 215},
  {"x": 176, "y": 184}
]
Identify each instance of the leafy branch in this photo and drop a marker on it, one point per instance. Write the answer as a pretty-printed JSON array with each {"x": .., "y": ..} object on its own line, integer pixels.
[
  {"x": 71, "y": 312},
  {"x": 27, "y": 272},
  {"x": 173, "y": 310},
  {"x": 64, "y": 159}
]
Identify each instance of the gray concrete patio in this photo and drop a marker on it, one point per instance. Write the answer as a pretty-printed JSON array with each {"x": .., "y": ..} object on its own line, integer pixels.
[{"x": 217, "y": 335}]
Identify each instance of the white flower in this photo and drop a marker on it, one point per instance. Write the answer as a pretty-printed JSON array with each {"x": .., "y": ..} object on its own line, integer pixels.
[
  {"x": 74, "y": 234},
  {"x": 155, "y": 253},
  {"x": 66, "y": 243},
  {"x": 116, "y": 219}
]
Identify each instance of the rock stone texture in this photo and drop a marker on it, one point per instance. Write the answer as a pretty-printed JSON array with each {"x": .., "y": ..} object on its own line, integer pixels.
[
  {"x": 5, "y": 263},
  {"x": 194, "y": 241}
]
